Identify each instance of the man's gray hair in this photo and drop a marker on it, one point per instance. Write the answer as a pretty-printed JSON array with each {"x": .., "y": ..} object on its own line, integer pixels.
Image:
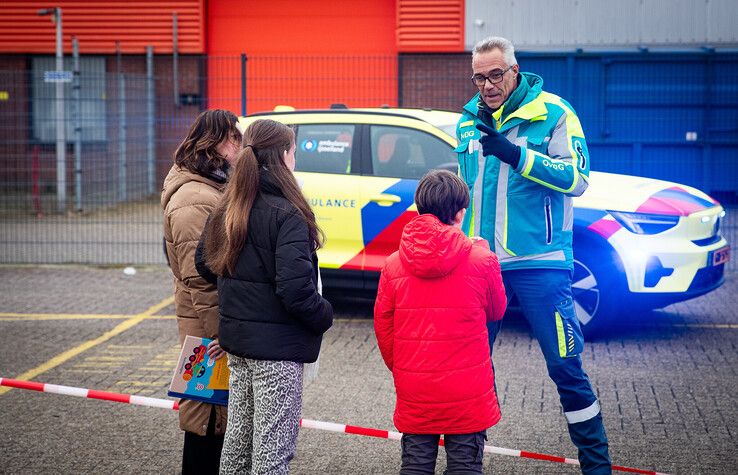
[{"x": 496, "y": 42}]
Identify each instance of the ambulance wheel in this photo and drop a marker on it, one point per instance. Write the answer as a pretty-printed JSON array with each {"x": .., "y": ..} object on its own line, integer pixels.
[{"x": 598, "y": 287}]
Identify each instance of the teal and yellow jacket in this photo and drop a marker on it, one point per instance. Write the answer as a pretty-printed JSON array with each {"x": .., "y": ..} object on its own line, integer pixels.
[{"x": 525, "y": 213}]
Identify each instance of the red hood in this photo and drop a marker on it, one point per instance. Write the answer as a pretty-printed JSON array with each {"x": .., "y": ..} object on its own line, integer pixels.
[{"x": 429, "y": 248}]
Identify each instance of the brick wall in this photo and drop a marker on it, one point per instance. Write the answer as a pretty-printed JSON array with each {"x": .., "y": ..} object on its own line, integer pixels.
[{"x": 436, "y": 81}]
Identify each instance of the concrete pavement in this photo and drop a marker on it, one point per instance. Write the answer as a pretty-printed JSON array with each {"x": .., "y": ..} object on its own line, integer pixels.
[{"x": 666, "y": 381}]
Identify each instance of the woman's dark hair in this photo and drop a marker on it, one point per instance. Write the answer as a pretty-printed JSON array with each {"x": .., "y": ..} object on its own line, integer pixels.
[
  {"x": 198, "y": 151},
  {"x": 442, "y": 194},
  {"x": 264, "y": 144}
]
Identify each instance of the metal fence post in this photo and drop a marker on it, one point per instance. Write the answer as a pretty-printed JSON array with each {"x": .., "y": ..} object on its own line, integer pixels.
[
  {"x": 122, "y": 136},
  {"x": 637, "y": 158},
  {"x": 604, "y": 73},
  {"x": 61, "y": 126},
  {"x": 400, "y": 81},
  {"x": 570, "y": 77},
  {"x": 706, "y": 138},
  {"x": 243, "y": 84},
  {"x": 175, "y": 60},
  {"x": 76, "y": 117},
  {"x": 150, "y": 163}
]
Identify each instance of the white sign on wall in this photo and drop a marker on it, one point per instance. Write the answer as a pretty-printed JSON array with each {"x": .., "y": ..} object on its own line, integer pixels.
[{"x": 57, "y": 76}]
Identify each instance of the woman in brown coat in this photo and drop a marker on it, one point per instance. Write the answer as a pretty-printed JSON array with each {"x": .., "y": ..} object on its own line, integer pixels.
[{"x": 191, "y": 190}]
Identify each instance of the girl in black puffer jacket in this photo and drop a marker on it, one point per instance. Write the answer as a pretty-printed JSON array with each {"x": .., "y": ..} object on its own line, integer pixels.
[{"x": 261, "y": 241}]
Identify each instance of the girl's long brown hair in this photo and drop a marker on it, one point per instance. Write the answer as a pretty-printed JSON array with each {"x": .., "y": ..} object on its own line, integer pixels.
[
  {"x": 198, "y": 152},
  {"x": 264, "y": 144}
]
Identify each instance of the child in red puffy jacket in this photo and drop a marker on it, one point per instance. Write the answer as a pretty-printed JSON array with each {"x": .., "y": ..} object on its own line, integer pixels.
[{"x": 435, "y": 296}]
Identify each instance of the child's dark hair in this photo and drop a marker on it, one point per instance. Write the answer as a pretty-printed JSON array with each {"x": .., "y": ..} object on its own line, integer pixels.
[{"x": 442, "y": 194}]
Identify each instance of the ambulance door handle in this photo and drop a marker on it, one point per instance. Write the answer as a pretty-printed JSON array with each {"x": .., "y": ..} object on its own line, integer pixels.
[{"x": 385, "y": 199}]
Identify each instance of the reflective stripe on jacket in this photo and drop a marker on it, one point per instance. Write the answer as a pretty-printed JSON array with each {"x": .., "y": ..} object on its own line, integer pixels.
[{"x": 526, "y": 212}]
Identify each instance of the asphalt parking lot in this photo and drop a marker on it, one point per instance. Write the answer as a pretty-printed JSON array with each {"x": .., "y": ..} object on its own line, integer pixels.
[{"x": 666, "y": 381}]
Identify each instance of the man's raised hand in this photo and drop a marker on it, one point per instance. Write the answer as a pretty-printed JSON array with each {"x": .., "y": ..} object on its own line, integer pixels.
[{"x": 494, "y": 143}]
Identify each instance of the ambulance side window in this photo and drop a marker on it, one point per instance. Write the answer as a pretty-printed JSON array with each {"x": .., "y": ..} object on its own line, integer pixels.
[
  {"x": 402, "y": 152},
  {"x": 324, "y": 148}
]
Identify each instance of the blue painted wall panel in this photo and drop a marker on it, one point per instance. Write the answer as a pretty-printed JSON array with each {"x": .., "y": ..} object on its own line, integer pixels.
[
  {"x": 725, "y": 84},
  {"x": 661, "y": 82},
  {"x": 670, "y": 116},
  {"x": 653, "y": 124},
  {"x": 724, "y": 161},
  {"x": 682, "y": 164},
  {"x": 613, "y": 158},
  {"x": 723, "y": 124},
  {"x": 586, "y": 95}
]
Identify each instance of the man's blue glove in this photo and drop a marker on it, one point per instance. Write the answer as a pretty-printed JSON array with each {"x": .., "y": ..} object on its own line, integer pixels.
[{"x": 494, "y": 143}]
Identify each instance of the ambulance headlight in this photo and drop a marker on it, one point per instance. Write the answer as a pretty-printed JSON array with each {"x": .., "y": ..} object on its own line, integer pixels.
[{"x": 644, "y": 223}]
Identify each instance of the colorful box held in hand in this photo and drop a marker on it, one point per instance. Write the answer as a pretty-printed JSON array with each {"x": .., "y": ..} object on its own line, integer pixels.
[{"x": 199, "y": 377}]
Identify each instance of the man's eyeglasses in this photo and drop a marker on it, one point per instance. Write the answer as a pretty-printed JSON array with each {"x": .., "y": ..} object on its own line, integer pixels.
[{"x": 494, "y": 77}]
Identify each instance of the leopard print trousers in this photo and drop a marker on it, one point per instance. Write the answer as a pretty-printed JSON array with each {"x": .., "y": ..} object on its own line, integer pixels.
[{"x": 264, "y": 407}]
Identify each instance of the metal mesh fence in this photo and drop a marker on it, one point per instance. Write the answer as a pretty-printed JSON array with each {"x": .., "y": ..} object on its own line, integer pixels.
[
  {"x": 123, "y": 128},
  {"x": 121, "y": 124}
]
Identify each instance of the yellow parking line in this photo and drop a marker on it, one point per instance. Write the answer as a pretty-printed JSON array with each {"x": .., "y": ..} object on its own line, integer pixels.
[
  {"x": 59, "y": 316},
  {"x": 71, "y": 353},
  {"x": 14, "y": 317}
]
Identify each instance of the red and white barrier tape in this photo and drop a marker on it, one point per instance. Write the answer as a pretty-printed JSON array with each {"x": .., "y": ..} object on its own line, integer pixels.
[
  {"x": 490, "y": 449},
  {"x": 308, "y": 423},
  {"x": 90, "y": 394}
]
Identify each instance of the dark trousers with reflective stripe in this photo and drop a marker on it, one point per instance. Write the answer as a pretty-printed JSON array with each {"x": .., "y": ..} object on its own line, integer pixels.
[{"x": 546, "y": 301}]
